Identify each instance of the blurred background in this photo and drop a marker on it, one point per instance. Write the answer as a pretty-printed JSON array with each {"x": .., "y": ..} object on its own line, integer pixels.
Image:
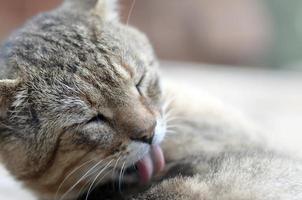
[
  {"x": 258, "y": 33},
  {"x": 248, "y": 53}
]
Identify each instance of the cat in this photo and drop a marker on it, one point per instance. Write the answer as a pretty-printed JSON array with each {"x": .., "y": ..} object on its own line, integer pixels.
[{"x": 82, "y": 106}]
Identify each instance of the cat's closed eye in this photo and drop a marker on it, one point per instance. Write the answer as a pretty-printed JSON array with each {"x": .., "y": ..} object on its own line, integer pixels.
[
  {"x": 139, "y": 85},
  {"x": 99, "y": 118}
]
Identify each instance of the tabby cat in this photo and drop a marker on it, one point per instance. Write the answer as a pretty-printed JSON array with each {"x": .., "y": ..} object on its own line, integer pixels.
[{"x": 84, "y": 115}]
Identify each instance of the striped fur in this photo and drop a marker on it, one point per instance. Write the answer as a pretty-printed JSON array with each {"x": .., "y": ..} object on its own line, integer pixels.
[{"x": 77, "y": 85}]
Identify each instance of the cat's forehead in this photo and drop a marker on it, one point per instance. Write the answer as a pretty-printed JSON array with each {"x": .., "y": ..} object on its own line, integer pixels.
[{"x": 74, "y": 44}]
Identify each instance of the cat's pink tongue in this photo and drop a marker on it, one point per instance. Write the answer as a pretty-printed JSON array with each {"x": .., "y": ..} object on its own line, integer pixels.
[{"x": 152, "y": 163}]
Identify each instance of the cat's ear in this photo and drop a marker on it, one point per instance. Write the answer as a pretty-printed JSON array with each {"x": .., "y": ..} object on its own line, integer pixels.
[
  {"x": 8, "y": 89},
  {"x": 107, "y": 9}
]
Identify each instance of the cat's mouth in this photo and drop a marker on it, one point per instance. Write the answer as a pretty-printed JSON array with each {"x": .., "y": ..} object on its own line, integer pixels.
[
  {"x": 147, "y": 160},
  {"x": 144, "y": 169},
  {"x": 151, "y": 164}
]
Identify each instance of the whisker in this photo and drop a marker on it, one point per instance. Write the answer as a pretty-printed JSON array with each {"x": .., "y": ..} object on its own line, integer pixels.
[
  {"x": 82, "y": 178},
  {"x": 170, "y": 135},
  {"x": 123, "y": 174},
  {"x": 113, "y": 171},
  {"x": 167, "y": 106},
  {"x": 174, "y": 118},
  {"x": 168, "y": 103},
  {"x": 101, "y": 179},
  {"x": 86, "y": 185},
  {"x": 95, "y": 171},
  {"x": 98, "y": 182},
  {"x": 120, "y": 178},
  {"x": 169, "y": 115},
  {"x": 69, "y": 175},
  {"x": 171, "y": 131},
  {"x": 130, "y": 11},
  {"x": 97, "y": 176},
  {"x": 173, "y": 123},
  {"x": 172, "y": 127}
]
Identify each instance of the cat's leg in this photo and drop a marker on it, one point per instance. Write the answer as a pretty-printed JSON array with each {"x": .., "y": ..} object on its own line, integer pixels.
[
  {"x": 233, "y": 176},
  {"x": 214, "y": 154},
  {"x": 198, "y": 124}
]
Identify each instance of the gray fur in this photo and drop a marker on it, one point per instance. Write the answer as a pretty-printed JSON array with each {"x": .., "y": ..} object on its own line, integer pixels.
[{"x": 78, "y": 64}]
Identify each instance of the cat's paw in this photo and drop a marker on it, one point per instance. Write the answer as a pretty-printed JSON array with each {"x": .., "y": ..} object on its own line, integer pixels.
[{"x": 178, "y": 188}]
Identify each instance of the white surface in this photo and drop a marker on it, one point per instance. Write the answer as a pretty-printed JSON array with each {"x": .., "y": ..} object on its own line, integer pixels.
[
  {"x": 272, "y": 99},
  {"x": 10, "y": 189}
]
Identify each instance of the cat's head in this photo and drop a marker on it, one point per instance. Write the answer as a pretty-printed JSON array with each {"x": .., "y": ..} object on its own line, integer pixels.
[{"x": 80, "y": 96}]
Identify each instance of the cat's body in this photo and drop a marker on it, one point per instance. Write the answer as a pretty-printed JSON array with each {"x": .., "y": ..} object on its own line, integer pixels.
[
  {"x": 217, "y": 155},
  {"x": 81, "y": 101}
]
